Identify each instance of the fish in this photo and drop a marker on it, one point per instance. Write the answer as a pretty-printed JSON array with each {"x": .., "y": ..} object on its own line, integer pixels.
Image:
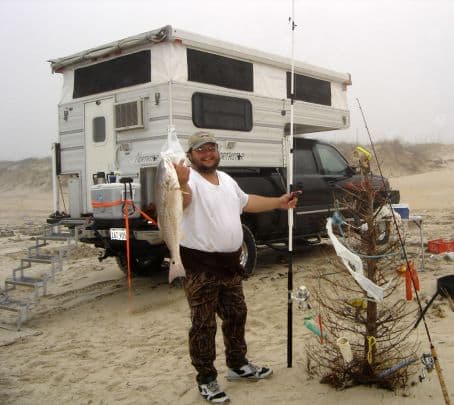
[{"x": 169, "y": 206}]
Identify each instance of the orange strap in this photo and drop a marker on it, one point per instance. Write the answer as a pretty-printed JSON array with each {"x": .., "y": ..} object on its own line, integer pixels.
[
  {"x": 128, "y": 259},
  {"x": 411, "y": 279},
  {"x": 414, "y": 276},
  {"x": 408, "y": 288},
  {"x": 100, "y": 204},
  {"x": 147, "y": 217},
  {"x": 127, "y": 203}
]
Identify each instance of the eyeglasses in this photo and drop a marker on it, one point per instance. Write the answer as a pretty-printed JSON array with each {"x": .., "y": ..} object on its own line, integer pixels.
[{"x": 205, "y": 149}]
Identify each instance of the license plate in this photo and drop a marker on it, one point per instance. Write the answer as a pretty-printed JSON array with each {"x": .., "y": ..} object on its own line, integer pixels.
[{"x": 118, "y": 233}]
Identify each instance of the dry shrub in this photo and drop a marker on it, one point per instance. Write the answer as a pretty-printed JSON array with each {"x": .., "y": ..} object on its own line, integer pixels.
[{"x": 380, "y": 334}]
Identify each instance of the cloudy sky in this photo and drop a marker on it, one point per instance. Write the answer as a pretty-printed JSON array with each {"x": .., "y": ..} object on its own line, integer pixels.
[{"x": 399, "y": 53}]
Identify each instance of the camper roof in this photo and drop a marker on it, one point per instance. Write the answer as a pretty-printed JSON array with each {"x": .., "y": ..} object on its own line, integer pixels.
[{"x": 168, "y": 33}]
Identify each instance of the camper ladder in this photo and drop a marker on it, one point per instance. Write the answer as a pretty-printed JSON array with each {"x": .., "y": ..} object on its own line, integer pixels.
[{"x": 23, "y": 304}]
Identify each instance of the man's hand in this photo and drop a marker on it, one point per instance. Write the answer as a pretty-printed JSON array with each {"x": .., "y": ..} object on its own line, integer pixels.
[
  {"x": 289, "y": 200},
  {"x": 257, "y": 203},
  {"x": 182, "y": 172}
]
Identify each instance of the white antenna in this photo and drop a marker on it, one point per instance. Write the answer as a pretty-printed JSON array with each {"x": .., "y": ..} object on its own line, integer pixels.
[
  {"x": 290, "y": 211},
  {"x": 170, "y": 105}
]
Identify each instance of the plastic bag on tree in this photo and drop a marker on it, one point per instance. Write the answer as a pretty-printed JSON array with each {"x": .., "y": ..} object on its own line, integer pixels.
[{"x": 354, "y": 265}]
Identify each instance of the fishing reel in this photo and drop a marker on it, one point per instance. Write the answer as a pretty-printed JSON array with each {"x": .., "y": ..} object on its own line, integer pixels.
[
  {"x": 428, "y": 364},
  {"x": 302, "y": 298}
]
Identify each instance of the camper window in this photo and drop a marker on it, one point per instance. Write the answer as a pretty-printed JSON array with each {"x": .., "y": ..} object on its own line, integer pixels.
[
  {"x": 221, "y": 112},
  {"x": 310, "y": 89},
  {"x": 113, "y": 74},
  {"x": 99, "y": 129},
  {"x": 209, "y": 68}
]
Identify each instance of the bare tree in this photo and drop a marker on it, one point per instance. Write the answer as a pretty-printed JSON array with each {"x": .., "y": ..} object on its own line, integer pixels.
[{"x": 361, "y": 340}]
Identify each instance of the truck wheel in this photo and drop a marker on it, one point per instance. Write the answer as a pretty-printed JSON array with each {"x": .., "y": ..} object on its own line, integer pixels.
[
  {"x": 248, "y": 257},
  {"x": 143, "y": 265}
]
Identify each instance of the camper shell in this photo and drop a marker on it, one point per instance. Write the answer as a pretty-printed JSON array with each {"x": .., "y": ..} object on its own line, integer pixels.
[{"x": 119, "y": 100}]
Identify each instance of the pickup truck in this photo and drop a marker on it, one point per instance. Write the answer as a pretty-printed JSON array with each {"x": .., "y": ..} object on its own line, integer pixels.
[{"x": 320, "y": 171}]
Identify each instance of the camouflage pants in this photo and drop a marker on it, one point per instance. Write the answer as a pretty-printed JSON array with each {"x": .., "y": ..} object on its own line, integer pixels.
[{"x": 210, "y": 291}]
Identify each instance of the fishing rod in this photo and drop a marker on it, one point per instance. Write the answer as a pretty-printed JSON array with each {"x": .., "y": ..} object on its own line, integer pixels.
[
  {"x": 404, "y": 250},
  {"x": 290, "y": 211}
]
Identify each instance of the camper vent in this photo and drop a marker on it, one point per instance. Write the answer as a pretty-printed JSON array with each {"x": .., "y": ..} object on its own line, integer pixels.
[{"x": 129, "y": 115}]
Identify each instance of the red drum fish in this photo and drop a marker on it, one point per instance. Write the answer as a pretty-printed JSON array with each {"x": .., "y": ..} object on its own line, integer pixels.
[{"x": 169, "y": 204}]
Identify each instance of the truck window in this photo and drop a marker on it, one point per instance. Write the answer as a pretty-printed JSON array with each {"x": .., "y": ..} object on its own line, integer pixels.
[
  {"x": 113, "y": 74},
  {"x": 331, "y": 160},
  {"x": 214, "y": 69},
  {"x": 309, "y": 89},
  {"x": 304, "y": 162},
  {"x": 221, "y": 112}
]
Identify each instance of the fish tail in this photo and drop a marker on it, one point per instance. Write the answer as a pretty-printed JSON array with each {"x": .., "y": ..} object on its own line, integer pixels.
[{"x": 176, "y": 270}]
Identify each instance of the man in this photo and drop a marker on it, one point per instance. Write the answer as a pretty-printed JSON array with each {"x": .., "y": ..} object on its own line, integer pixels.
[{"x": 210, "y": 251}]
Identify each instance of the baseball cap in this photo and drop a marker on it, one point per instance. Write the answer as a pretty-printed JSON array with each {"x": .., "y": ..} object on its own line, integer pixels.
[{"x": 199, "y": 138}]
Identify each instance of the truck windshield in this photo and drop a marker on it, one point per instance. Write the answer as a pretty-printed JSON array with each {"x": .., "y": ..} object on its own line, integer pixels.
[{"x": 331, "y": 160}]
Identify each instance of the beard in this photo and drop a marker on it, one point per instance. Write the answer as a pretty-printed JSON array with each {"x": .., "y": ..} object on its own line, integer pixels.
[{"x": 200, "y": 166}]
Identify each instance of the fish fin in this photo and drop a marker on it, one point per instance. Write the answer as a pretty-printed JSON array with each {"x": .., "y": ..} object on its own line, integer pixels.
[{"x": 176, "y": 270}]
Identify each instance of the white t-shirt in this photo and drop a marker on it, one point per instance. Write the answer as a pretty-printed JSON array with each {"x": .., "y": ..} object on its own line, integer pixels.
[{"x": 211, "y": 222}]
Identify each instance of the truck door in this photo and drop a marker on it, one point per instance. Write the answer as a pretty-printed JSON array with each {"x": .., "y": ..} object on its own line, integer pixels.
[
  {"x": 100, "y": 140},
  {"x": 333, "y": 168},
  {"x": 316, "y": 200}
]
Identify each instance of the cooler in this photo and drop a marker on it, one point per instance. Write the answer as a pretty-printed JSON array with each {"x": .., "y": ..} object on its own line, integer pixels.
[
  {"x": 114, "y": 193},
  {"x": 402, "y": 209}
]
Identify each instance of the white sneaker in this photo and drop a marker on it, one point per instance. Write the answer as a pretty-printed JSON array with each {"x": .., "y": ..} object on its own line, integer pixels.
[
  {"x": 249, "y": 372},
  {"x": 212, "y": 392}
]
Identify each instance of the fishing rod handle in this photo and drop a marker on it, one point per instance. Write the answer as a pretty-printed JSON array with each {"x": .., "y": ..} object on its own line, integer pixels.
[{"x": 444, "y": 389}]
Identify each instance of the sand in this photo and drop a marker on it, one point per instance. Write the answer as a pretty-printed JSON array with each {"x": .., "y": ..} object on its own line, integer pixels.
[{"x": 90, "y": 343}]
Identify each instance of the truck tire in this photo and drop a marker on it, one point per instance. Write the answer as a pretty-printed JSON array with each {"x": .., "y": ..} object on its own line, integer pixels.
[
  {"x": 143, "y": 265},
  {"x": 248, "y": 258}
]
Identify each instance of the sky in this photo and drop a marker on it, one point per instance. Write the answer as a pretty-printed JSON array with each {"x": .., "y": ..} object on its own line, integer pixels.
[{"x": 400, "y": 55}]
